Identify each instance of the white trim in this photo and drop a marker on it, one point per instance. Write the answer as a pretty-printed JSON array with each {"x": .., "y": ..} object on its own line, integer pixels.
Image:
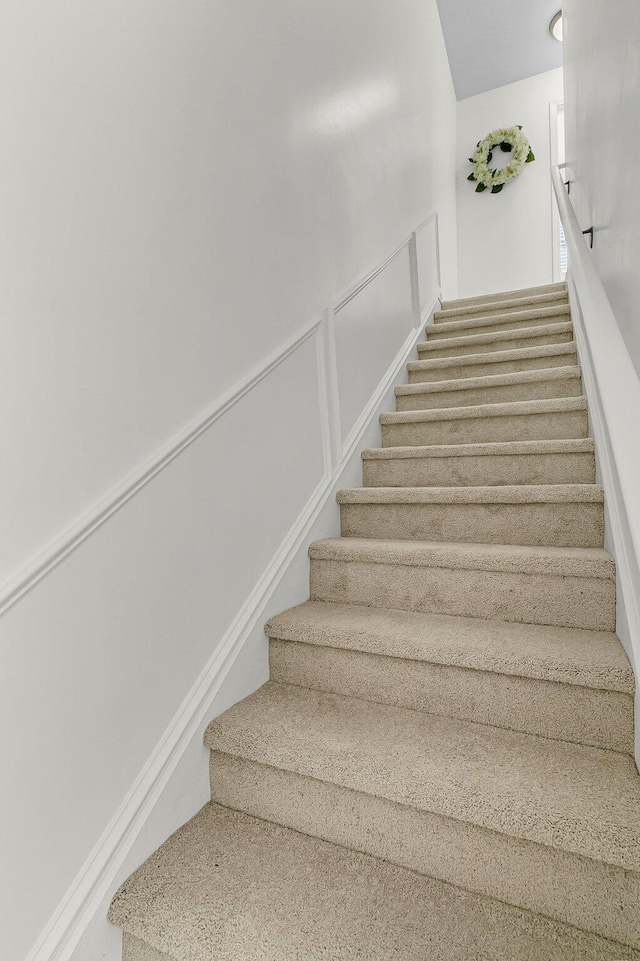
[
  {"x": 557, "y": 275},
  {"x": 409, "y": 343},
  {"x": 438, "y": 253},
  {"x": 46, "y": 560},
  {"x": 425, "y": 223},
  {"x": 333, "y": 392},
  {"x": 92, "y": 883},
  {"x": 324, "y": 401},
  {"x": 361, "y": 284},
  {"x": 414, "y": 272},
  {"x": 392, "y": 372},
  {"x": 437, "y": 291},
  {"x": 66, "y": 926}
]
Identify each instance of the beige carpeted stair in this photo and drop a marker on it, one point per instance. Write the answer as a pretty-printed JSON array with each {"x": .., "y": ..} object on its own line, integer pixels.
[
  {"x": 491, "y": 389},
  {"x": 440, "y": 768},
  {"x": 506, "y": 361},
  {"x": 540, "y": 335}
]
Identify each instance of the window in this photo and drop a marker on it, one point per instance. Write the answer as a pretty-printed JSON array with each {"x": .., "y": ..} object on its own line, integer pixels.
[{"x": 563, "y": 252}]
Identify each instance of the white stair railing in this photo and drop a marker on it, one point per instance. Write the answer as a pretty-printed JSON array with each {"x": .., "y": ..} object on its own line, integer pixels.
[{"x": 613, "y": 388}]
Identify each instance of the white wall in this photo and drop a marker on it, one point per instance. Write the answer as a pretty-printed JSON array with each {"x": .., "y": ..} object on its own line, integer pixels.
[
  {"x": 187, "y": 187},
  {"x": 603, "y": 146},
  {"x": 505, "y": 239}
]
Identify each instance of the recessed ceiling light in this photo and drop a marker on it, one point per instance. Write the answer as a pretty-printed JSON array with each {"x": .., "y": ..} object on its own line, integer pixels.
[{"x": 555, "y": 27}]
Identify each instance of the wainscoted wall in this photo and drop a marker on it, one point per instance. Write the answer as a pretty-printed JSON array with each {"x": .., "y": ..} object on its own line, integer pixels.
[
  {"x": 190, "y": 192},
  {"x": 428, "y": 261},
  {"x": 370, "y": 324},
  {"x": 193, "y": 543}
]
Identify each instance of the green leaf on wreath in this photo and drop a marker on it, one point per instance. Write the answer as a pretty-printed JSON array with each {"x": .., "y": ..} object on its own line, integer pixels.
[
  {"x": 490, "y": 157},
  {"x": 471, "y": 160},
  {"x": 505, "y": 147},
  {"x": 530, "y": 157},
  {"x": 519, "y": 126},
  {"x": 496, "y": 188},
  {"x": 471, "y": 177},
  {"x": 480, "y": 188}
]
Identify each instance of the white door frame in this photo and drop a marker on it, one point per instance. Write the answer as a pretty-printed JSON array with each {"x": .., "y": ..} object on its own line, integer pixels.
[{"x": 557, "y": 156}]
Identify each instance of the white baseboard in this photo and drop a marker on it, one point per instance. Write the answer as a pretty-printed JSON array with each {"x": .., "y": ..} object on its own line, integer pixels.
[{"x": 68, "y": 934}]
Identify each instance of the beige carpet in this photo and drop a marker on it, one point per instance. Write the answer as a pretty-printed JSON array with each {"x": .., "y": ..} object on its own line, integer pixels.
[{"x": 440, "y": 767}]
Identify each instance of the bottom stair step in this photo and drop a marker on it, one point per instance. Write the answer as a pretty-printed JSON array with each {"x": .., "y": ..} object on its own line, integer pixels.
[
  {"x": 229, "y": 887},
  {"x": 543, "y": 825}
]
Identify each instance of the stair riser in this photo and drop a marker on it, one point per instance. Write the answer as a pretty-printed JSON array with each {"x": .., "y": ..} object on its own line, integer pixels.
[
  {"x": 508, "y": 343},
  {"x": 560, "y": 425},
  {"x": 436, "y": 374},
  {"x": 485, "y": 325},
  {"x": 504, "y": 295},
  {"x": 488, "y": 310},
  {"x": 502, "y": 394},
  {"x": 589, "y": 894},
  {"x": 564, "y": 712},
  {"x": 484, "y": 471},
  {"x": 530, "y": 524},
  {"x": 587, "y": 602}
]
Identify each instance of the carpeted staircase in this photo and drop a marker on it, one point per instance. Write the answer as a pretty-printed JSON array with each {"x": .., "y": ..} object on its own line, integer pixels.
[{"x": 440, "y": 768}]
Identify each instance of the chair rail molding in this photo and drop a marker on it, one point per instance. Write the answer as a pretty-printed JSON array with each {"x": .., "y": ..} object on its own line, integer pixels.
[
  {"x": 57, "y": 550},
  {"x": 97, "y": 876},
  {"x": 613, "y": 389}
]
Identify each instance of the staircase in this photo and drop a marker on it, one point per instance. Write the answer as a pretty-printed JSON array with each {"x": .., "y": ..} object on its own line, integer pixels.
[{"x": 440, "y": 768}]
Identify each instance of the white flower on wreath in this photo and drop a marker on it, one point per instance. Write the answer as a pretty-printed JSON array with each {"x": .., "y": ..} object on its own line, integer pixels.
[{"x": 496, "y": 177}]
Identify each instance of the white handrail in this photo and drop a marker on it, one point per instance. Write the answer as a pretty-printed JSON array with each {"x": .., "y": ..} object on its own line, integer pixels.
[{"x": 615, "y": 402}]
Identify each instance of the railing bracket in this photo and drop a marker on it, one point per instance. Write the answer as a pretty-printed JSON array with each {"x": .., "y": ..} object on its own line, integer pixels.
[
  {"x": 589, "y": 231},
  {"x": 567, "y": 184}
]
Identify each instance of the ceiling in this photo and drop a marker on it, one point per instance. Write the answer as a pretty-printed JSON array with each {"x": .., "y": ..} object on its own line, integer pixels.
[{"x": 494, "y": 42}]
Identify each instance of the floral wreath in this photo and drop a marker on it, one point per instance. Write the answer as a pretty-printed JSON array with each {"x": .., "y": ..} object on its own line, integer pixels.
[{"x": 509, "y": 139}]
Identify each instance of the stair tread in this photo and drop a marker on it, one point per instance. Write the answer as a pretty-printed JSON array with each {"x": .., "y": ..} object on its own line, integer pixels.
[
  {"x": 468, "y": 360},
  {"x": 515, "y": 303},
  {"x": 491, "y": 380},
  {"x": 497, "y": 494},
  {"x": 521, "y": 333},
  {"x": 510, "y": 408},
  {"x": 514, "y": 447},
  {"x": 557, "y": 654},
  {"x": 558, "y": 561},
  {"x": 580, "y": 799},
  {"x": 560, "y": 287},
  {"x": 490, "y": 320},
  {"x": 233, "y": 886}
]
